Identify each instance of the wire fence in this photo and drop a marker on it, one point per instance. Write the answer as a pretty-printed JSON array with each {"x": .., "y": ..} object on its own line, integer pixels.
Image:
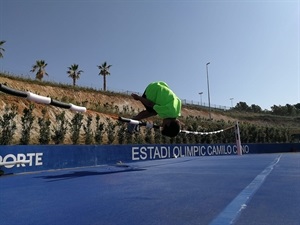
[
  {"x": 126, "y": 92},
  {"x": 184, "y": 101}
]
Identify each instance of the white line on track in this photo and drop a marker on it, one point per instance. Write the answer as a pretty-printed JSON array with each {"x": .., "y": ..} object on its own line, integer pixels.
[{"x": 233, "y": 210}]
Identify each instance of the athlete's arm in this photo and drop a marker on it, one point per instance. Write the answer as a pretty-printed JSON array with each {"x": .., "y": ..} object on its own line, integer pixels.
[
  {"x": 145, "y": 101},
  {"x": 144, "y": 114}
]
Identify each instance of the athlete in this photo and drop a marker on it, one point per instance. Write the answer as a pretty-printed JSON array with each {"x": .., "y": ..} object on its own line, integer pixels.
[{"x": 160, "y": 100}]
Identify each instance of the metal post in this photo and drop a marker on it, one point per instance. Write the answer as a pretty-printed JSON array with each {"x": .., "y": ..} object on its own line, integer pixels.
[
  {"x": 231, "y": 102},
  {"x": 200, "y": 93},
  {"x": 208, "y": 89}
]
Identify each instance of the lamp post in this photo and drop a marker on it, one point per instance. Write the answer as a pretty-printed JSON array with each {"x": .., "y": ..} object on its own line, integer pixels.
[
  {"x": 200, "y": 93},
  {"x": 208, "y": 89},
  {"x": 231, "y": 102}
]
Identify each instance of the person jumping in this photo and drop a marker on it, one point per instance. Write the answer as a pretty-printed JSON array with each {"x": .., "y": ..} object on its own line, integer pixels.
[{"x": 160, "y": 100}]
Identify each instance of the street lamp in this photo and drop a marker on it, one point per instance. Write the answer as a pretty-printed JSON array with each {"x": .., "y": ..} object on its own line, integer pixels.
[
  {"x": 231, "y": 102},
  {"x": 200, "y": 93},
  {"x": 208, "y": 89}
]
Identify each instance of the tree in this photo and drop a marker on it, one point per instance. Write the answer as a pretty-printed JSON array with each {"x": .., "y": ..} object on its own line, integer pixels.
[
  {"x": 74, "y": 73},
  {"x": 297, "y": 106},
  {"x": 1, "y": 48},
  {"x": 277, "y": 110},
  {"x": 242, "y": 106},
  {"x": 256, "y": 108},
  {"x": 291, "y": 110},
  {"x": 104, "y": 71},
  {"x": 40, "y": 66}
]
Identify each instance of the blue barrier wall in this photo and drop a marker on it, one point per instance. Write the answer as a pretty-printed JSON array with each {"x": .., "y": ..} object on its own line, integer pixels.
[{"x": 49, "y": 157}]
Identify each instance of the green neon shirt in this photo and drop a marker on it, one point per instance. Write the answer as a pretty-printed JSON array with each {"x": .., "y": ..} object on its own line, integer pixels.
[{"x": 166, "y": 103}]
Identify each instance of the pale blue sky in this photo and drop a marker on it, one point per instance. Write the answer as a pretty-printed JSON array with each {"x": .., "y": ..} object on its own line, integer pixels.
[{"x": 252, "y": 46}]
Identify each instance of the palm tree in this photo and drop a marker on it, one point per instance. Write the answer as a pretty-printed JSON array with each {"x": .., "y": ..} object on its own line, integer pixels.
[
  {"x": 40, "y": 67},
  {"x": 104, "y": 71},
  {"x": 73, "y": 73},
  {"x": 1, "y": 49}
]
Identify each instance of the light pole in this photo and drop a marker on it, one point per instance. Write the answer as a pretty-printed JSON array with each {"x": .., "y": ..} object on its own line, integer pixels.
[
  {"x": 208, "y": 89},
  {"x": 200, "y": 93},
  {"x": 231, "y": 102}
]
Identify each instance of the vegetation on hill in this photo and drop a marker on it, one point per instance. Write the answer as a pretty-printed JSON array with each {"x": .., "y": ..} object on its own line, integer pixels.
[{"x": 25, "y": 122}]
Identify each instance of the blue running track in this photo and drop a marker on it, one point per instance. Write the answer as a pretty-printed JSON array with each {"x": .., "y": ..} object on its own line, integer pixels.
[{"x": 261, "y": 189}]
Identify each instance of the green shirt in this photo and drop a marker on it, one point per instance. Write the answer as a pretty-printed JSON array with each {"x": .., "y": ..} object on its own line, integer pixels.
[{"x": 166, "y": 103}]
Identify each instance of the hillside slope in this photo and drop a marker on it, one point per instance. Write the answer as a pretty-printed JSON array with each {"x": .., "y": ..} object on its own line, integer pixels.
[
  {"x": 99, "y": 103},
  {"x": 87, "y": 98}
]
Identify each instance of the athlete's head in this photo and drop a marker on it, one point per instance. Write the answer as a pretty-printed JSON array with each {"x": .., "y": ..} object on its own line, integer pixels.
[{"x": 170, "y": 127}]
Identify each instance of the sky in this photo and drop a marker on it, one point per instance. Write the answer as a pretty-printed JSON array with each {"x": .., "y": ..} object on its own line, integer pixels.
[{"x": 252, "y": 46}]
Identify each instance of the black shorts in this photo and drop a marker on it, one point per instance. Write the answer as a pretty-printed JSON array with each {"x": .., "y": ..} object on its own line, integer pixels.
[{"x": 149, "y": 109}]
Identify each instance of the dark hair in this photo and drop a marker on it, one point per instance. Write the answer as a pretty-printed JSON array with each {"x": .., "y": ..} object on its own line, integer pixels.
[{"x": 172, "y": 129}]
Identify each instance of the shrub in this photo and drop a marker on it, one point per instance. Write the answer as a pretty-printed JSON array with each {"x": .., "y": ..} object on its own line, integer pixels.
[
  {"x": 75, "y": 127},
  {"x": 27, "y": 121},
  {"x": 8, "y": 125},
  {"x": 44, "y": 123},
  {"x": 99, "y": 130},
  {"x": 88, "y": 131},
  {"x": 60, "y": 129}
]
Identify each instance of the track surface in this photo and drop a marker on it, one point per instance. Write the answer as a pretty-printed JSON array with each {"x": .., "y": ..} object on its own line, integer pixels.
[{"x": 250, "y": 189}]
